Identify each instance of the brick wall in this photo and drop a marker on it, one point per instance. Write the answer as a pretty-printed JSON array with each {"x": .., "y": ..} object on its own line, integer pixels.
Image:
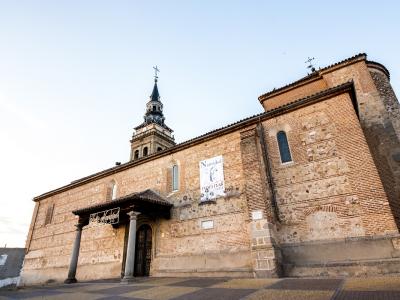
[
  {"x": 266, "y": 255},
  {"x": 378, "y": 117},
  {"x": 379, "y": 113},
  {"x": 332, "y": 188},
  {"x": 388, "y": 97},
  {"x": 309, "y": 88},
  {"x": 256, "y": 190},
  {"x": 386, "y": 140},
  {"x": 176, "y": 241}
]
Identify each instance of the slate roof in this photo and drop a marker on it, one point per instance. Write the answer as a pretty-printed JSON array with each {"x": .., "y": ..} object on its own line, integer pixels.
[
  {"x": 155, "y": 95},
  {"x": 151, "y": 116},
  {"x": 13, "y": 264},
  {"x": 144, "y": 124}
]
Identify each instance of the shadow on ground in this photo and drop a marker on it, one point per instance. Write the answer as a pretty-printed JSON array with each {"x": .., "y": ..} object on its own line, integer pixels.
[{"x": 217, "y": 288}]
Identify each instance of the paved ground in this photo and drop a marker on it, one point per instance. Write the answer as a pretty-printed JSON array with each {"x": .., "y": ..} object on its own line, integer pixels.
[{"x": 218, "y": 288}]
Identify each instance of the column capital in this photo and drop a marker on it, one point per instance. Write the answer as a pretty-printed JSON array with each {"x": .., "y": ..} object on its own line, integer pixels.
[
  {"x": 79, "y": 226},
  {"x": 133, "y": 214}
]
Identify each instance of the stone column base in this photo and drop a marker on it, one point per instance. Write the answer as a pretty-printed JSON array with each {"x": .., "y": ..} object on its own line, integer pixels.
[
  {"x": 128, "y": 280},
  {"x": 70, "y": 280}
]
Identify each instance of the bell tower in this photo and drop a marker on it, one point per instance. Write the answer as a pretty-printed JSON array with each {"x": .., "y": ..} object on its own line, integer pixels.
[{"x": 152, "y": 135}]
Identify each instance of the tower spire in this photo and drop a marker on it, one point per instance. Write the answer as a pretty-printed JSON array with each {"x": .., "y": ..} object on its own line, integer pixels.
[
  {"x": 156, "y": 70},
  {"x": 153, "y": 134},
  {"x": 155, "y": 95}
]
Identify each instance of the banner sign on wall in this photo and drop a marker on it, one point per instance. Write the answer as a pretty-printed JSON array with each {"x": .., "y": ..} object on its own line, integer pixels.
[{"x": 212, "y": 183}]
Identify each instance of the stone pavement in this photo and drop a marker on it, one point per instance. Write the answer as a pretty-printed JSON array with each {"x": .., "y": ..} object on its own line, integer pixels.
[{"x": 218, "y": 288}]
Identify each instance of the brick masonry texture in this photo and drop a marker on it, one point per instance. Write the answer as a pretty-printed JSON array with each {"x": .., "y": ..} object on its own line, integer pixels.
[
  {"x": 331, "y": 191},
  {"x": 179, "y": 244},
  {"x": 388, "y": 97},
  {"x": 320, "y": 194},
  {"x": 386, "y": 140},
  {"x": 379, "y": 113}
]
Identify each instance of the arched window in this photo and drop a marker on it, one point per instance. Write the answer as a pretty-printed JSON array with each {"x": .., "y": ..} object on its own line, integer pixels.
[
  {"x": 154, "y": 108},
  {"x": 283, "y": 144},
  {"x": 136, "y": 155},
  {"x": 145, "y": 151},
  {"x": 175, "y": 178},
  {"x": 111, "y": 190},
  {"x": 49, "y": 214},
  {"x": 159, "y": 149}
]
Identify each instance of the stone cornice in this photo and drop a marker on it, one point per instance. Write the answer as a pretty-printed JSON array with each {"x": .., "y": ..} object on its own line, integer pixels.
[
  {"x": 312, "y": 77},
  {"x": 153, "y": 132},
  {"x": 377, "y": 66}
]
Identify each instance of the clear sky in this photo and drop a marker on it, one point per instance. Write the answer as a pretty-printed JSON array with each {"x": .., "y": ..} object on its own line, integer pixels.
[{"x": 75, "y": 75}]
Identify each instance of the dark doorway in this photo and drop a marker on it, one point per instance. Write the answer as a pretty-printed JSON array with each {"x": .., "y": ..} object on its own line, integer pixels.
[{"x": 143, "y": 251}]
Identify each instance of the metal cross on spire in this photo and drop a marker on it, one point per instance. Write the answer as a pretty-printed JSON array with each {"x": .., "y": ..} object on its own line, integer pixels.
[
  {"x": 310, "y": 65},
  {"x": 156, "y": 70}
]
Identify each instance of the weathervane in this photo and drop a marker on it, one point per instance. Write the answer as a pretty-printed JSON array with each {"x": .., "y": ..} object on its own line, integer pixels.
[
  {"x": 310, "y": 65},
  {"x": 156, "y": 70}
]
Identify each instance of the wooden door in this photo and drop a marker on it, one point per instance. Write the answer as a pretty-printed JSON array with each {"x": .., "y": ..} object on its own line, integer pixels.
[{"x": 143, "y": 251}]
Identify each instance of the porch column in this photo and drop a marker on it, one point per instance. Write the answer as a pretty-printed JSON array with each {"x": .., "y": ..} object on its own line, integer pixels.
[
  {"x": 130, "y": 251},
  {"x": 75, "y": 254}
]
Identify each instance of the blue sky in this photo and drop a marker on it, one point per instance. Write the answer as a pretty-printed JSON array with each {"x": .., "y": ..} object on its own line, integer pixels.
[{"x": 75, "y": 75}]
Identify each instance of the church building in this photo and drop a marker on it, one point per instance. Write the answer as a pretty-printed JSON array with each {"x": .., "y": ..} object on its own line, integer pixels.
[{"x": 308, "y": 187}]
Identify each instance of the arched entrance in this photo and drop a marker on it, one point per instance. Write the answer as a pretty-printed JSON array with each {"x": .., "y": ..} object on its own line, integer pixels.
[
  {"x": 124, "y": 210},
  {"x": 143, "y": 250}
]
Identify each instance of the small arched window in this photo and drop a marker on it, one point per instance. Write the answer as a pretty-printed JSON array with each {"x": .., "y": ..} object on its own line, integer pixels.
[
  {"x": 175, "y": 178},
  {"x": 145, "y": 151},
  {"x": 159, "y": 149},
  {"x": 136, "y": 155},
  {"x": 154, "y": 108},
  {"x": 283, "y": 145},
  {"x": 49, "y": 214},
  {"x": 113, "y": 191}
]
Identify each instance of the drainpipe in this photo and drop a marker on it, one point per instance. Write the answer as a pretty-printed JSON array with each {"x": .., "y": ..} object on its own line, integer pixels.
[{"x": 270, "y": 179}]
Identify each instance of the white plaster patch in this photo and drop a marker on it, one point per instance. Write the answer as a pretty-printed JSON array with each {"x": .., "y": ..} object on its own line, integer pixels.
[
  {"x": 9, "y": 281},
  {"x": 323, "y": 225},
  {"x": 3, "y": 259},
  {"x": 207, "y": 224},
  {"x": 256, "y": 215}
]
